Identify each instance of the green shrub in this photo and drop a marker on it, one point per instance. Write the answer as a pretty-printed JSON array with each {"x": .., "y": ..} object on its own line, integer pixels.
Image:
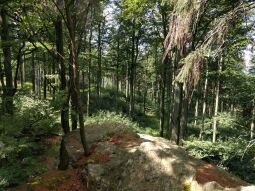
[
  {"x": 113, "y": 117},
  {"x": 37, "y": 117},
  {"x": 230, "y": 155},
  {"x": 20, "y": 139}
]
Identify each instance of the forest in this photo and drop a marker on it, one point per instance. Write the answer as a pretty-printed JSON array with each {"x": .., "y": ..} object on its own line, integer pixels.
[{"x": 183, "y": 70}]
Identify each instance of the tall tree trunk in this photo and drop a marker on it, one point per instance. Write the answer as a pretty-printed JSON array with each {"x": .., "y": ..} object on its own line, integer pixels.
[
  {"x": 217, "y": 92},
  {"x": 118, "y": 63},
  {"x": 176, "y": 115},
  {"x": 2, "y": 82},
  {"x": 33, "y": 72},
  {"x": 44, "y": 79},
  {"x": 99, "y": 62},
  {"x": 162, "y": 97},
  {"x": 252, "y": 121},
  {"x": 24, "y": 69},
  {"x": 74, "y": 101},
  {"x": 39, "y": 77},
  {"x": 204, "y": 103},
  {"x": 89, "y": 71},
  {"x": 127, "y": 81},
  {"x": 74, "y": 77},
  {"x": 184, "y": 113},
  {"x": 62, "y": 73},
  {"x": 9, "y": 90},
  {"x": 196, "y": 112},
  {"x": 22, "y": 72},
  {"x": 163, "y": 71},
  {"x": 132, "y": 72},
  {"x": 18, "y": 67}
]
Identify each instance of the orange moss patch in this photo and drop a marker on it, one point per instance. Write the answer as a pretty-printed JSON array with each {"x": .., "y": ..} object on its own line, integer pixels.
[
  {"x": 69, "y": 180},
  {"x": 208, "y": 173},
  {"x": 125, "y": 141}
]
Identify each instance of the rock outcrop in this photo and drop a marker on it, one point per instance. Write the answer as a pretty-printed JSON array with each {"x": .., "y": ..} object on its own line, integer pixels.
[{"x": 121, "y": 160}]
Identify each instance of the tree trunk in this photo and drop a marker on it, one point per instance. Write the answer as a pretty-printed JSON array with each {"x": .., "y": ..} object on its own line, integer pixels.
[
  {"x": 117, "y": 64},
  {"x": 63, "y": 156},
  {"x": 2, "y": 81},
  {"x": 204, "y": 104},
  {"x": 74, "y": 101},
  {"x": 89, "y": 68},
  {"x": 18, "y": 68},
  {"x": 9, "y": 90},
  {"x": 62, "y": 73},
  {"x": 196, "y": 112},
  {"x": 176, "y": 115},
  {"x": 184, "y": 113},
  {"x": 44, "y": 82},
  {"x": 33, "y": 72},
  {"x": 216, "y": 103},
  {"x": 162, "y": 97},
  {"x": 252, "y": 121},
  {"x": 132, "y": 72},
  {"x": 127, "y": 81},
  {"x": 74, "y": 77},
  {"x": 99, "y": 62},
  {"x": 38, "y": 81}
]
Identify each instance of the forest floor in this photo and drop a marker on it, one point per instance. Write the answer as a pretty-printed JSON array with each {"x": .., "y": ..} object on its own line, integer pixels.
[
  {"x": 53, "y": 179},
  {"x": 73, "y": 178}
]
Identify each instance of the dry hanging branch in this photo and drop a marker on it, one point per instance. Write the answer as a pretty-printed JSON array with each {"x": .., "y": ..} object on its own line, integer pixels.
[{"x": 183, "y": 22}]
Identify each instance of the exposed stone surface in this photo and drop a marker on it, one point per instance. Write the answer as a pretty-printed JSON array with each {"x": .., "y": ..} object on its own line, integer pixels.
[{"x": 124, "y": 161}]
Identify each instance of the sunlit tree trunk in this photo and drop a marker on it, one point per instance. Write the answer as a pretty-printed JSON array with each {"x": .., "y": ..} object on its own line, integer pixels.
[
  {"x": 204, "y": 103},
  {"x": 217, "y": 91},
  {"x": 252, "y": 121},
  {"x": 196, "y": 112},
  {"x": 74, "y": 77},
  {"x": 184, "y": 113},
  {"x": 132, "y": 71}
]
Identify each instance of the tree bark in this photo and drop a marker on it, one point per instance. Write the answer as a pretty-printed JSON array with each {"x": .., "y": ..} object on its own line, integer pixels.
[
  {"x": 62, "y": 73},
  {"x": 204, "y": 104},
  {"x": 74, "y": 77},
  {"x": 89, "y": 71},
  {"x": 217, "y": 90},
  {"x": 8, "y": 91},
  {"x": 99, "y": 62},
  {"x": 162, "y": 97},
  {"x": 33, "y": 72},
  {"x": 176, "y": 115},
  {"x": 63, "y": 156},
  {"x": 184, "y": 113},
  {"x": 196, "y": 112},
  {"x": 252, "y": 121}
]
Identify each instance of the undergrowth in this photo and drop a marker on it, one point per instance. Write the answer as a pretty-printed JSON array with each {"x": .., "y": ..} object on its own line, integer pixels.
[
  {"x": 118, "y": 118},
  {"x": 21, "y": 138}
]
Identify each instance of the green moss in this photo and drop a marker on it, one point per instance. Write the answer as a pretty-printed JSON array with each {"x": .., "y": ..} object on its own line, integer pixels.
[{"x": 187, "y": 187}]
